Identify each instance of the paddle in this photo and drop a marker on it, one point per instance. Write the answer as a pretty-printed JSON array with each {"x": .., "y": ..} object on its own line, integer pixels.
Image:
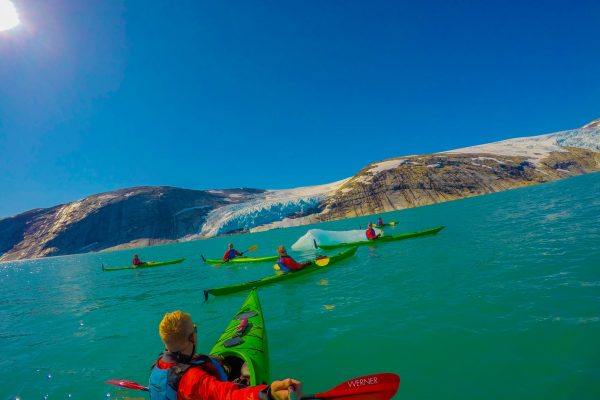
[
  {"x": 321, "y": 262},
  {"x": 251, "y": 248},
  {"x": 127, "y": 384},
  {"x": 370, "y": 387}
]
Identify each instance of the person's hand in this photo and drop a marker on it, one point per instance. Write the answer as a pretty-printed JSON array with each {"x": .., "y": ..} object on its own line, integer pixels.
[{"x": 280, "y": 389}]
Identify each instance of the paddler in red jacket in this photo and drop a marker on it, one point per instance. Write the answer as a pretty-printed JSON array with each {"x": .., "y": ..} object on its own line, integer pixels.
[
  {"x": 287, "y": 263},
  {"x": 180, "y": 374},
  {"x": 136, "y": 261},
  {"x": 231, "y": 253},
  {"x": 371, "y": 235}
]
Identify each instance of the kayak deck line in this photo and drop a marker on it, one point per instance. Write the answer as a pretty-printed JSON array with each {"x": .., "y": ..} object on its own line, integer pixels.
[
  {"x": 245, "y": 341},
  {"x": 149, "y": 264}
]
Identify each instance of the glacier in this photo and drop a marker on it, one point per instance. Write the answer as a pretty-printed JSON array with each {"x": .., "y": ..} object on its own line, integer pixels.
[{"x": 268, "y": 207}]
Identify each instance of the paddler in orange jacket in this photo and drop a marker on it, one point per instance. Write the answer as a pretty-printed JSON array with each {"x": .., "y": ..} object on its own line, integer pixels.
[
  {"x": 136, "y": 261},
  {"x": 371, "y": 235},
  {"x": 287, "y": 263},
  {"x": 180, "y": 374}
]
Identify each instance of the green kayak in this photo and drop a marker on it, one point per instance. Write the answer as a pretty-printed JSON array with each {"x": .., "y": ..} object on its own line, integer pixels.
[
  {"x": 149, "y": 264},
  {"x": 382, "y": 239},
  {"x": 277, "y": 278},
  {"x": 240, "y": 260},
  {"x": 245, "y": 341}
]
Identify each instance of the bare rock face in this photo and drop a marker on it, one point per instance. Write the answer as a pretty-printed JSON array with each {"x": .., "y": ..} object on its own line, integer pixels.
[
  {"x": 421, "y": 180},
  {"x": 142, "y": 214}
]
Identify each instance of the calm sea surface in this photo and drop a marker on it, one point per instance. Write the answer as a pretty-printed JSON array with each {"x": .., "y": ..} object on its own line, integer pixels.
[{"x": 503, "y": 303}]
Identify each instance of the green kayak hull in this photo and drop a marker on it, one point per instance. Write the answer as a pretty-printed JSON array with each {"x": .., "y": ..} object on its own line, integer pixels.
[
  {"x": 242, "y": 260},
  {"x": 280, "y": 277},
  {"x": 252, "y": 349},
  {"x": 149, "y": 264},
  {"x": 383, "y": 239}
]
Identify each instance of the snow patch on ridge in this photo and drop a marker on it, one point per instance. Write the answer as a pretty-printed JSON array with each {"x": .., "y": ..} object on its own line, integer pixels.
[
  {"x": 532, "y": 148},
  {"x": 377, "y": 168},
  {"x": 265, "y": 208},
  {"x": 535, "y": 148},
  {"x": 386, "y": 165}
]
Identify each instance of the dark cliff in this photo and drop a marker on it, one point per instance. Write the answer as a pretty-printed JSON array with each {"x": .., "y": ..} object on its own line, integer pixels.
[{"x": 111, "y": 219}]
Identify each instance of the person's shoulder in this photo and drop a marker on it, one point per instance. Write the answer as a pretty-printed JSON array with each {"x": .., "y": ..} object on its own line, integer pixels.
[
  {"x": 195, "y": 375},
  {"x": 196, "y": 371}
]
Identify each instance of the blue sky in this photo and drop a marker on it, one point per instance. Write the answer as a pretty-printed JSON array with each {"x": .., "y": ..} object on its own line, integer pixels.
[{"x": 101, "y": 95}]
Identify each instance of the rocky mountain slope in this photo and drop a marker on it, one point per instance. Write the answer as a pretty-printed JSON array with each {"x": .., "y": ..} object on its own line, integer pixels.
[
  {"x": 149, "y": 215},
  {"x": 142, "y": 215}
]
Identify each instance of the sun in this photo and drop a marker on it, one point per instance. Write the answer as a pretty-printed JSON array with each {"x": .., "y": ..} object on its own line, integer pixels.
[{"x": 8, "y": 15}]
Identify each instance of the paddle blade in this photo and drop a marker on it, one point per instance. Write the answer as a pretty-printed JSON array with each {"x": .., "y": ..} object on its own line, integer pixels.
[
  {"x": 392, "y": 223},
  {"x": 321, "y": 262},
  {"x": 371, "y": 387},
  {"x": 127, "y": 384},
  {"x": 315, "y": 243},
  {"x": 251, "y": 248},
  {"x": 276, "y": 267}
]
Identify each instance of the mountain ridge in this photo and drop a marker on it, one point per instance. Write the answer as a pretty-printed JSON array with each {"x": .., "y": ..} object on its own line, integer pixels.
[{"x": 147, "y": 215}]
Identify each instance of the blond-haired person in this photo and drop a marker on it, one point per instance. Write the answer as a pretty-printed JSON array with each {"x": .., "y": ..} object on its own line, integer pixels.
[{"x": 180, "y": 374}]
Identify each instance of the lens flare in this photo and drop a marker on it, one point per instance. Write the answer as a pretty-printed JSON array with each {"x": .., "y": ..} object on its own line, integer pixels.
[{"x": 8, "y": 15}]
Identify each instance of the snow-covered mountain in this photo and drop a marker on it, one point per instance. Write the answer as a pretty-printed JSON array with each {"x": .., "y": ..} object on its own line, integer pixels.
[
  {"x": 147, "y": 215},
  {"x": 536, "y": 148}
]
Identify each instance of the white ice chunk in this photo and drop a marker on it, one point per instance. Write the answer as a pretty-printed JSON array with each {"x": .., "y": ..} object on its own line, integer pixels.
[{"x": 321, "y": 236}]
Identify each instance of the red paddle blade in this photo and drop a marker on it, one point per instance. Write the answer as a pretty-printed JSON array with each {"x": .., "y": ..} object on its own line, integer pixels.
[
  {"x": 370, "y": 387},
  {"x": 127, "y": 384}
]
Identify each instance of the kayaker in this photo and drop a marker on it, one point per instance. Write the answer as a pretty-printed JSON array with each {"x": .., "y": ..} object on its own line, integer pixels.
[
  {"x": 231, "y": 253},
  {"x": 371, "y": 235},
  {"x": 380, "y": 222},
  {"x": 180, "y": 374},
  {"x": 136, "y": 261},
  {"x": 287, "y": 263}
]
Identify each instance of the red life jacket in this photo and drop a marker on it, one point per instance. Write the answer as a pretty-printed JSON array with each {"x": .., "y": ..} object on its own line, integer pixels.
[{"x": 371, "y": 234}]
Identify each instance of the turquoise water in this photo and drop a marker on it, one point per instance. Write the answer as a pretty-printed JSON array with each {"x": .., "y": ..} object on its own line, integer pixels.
[{"x": 503, "y": 303}]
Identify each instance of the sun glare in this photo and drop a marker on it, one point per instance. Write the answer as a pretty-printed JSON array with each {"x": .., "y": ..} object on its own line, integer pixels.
[{"x": 8, "y": 15}]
